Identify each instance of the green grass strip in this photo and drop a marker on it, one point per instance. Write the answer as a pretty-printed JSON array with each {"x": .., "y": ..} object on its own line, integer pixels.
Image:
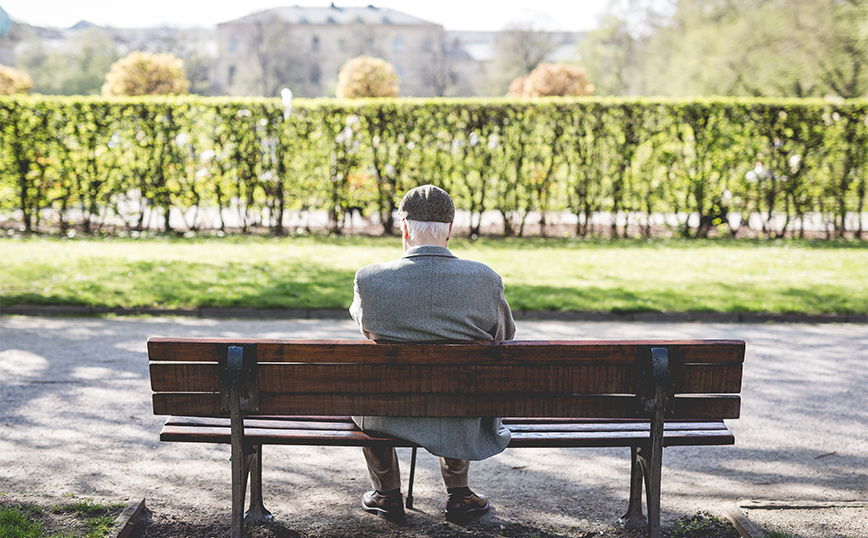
[
  {"x": 17, "y": 523},
  {"x": 744, "y": 276}
]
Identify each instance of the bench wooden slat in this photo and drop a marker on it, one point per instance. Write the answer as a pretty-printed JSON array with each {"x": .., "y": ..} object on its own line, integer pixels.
[
  {"x": 186, "y": 403},
  {"x": 196, "y": 376},
  {"x": 515, "y": 424},
  {"x": 457, "y": 405},
  {"x": 524, "y": 405},
  {"x": 428, "y": 379},
  {"x": 271, "y": 436},
  {"x": 705, "y": 378},
  {"x": 584, "y": 439},
  {"x": 518, "y": 352},
  {"x": 625, "y": 426},
  {"x": 288, "y": 422},
  {"x": 182, "y": 349},
  {"x": 585, "y": 379},
  {"x": 356, "y": 378},
  {"x": 575, "y": 434}
]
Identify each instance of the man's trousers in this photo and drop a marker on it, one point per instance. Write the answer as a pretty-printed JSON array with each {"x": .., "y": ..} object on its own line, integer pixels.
[{"x": 386, "y": 475}]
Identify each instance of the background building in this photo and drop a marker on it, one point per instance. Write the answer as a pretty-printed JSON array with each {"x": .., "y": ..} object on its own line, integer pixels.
[{"x": 304, "y": 48}]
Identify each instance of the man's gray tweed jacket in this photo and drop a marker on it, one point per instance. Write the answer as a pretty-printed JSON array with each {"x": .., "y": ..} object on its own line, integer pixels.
[{"x": 429, "y": 295}]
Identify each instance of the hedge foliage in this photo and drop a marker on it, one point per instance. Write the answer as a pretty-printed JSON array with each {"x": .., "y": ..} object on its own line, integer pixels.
[{"x": 710, "y": 164}]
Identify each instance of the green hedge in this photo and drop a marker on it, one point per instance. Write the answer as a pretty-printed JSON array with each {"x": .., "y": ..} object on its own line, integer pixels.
[{"x": 709, "y": 165}]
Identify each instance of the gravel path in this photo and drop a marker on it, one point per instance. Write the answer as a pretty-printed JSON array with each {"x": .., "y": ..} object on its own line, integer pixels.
[{"x": 76, "y": 417}]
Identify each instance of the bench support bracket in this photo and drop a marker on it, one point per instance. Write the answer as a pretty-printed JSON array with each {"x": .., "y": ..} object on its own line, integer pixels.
[
  {"x": 256, "y": 511},
  {"x": 647, "y": 460},
  {"x": 246, "y": 458},
  {"x": 634, "y": 518}
]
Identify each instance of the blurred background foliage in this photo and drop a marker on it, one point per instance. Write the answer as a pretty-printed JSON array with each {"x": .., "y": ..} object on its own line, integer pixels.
[
  {"x": 779, "y": 48},
  {"x": 677, "y": 48}
]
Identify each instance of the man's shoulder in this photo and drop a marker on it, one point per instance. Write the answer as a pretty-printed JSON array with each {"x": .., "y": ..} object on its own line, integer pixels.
[
  {"x": 473, "y": 266},
  {"x": 375, "y": 269},
  {"x": 425, "y": 264}
]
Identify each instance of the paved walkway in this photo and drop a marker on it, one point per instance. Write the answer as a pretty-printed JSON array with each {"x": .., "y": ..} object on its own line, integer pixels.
[{"x": 75, "y": 415}]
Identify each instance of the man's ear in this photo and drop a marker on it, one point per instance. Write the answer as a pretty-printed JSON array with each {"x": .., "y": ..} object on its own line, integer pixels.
[
  {"x": 450, "y": 232},
  {"x": 404, "y": 230}
]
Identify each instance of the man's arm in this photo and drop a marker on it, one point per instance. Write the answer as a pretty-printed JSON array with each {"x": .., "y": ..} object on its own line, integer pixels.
[
  {"x": 356, "y": 308},
  {"x": 505, "y": 328}
]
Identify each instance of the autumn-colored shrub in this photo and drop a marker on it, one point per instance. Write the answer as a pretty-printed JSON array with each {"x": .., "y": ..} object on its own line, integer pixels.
[
  {"x": 13, "y": 81},
  {"x": 549, "y": 80},
  {"x": 364, "y": 76},
  {"x": 143, "y": 73}
]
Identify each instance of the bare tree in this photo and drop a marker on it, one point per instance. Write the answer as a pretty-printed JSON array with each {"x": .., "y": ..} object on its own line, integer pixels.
[
  {"x": 517, "y": 51},
  {"x": 277, "y": 59},
  {"x": 438, "y": 71}
]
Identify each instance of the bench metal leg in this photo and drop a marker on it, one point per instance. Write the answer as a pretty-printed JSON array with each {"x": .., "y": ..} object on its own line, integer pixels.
[
  {"x": 647, "y": 460},
  {"x": 409, "y": 502},
  {"x": 654, "y": 459},
  {"x": 257, "y": 511},
  {"x": 240, "y": 468},
  {"x": 652, "y": 478},
  {"x": 634, "y": 518},
  {"x": 646, "y": 469}
]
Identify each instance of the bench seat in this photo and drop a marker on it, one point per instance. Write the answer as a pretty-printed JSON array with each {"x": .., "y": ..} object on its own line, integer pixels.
[{"x": 526, "y": 432}]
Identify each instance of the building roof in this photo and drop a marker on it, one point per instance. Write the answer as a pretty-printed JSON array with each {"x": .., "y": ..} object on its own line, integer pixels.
[
  {"x": 335, "y": 15},
  {"x": 83, "y": 25},
  {"x": 6, "y": 23}
]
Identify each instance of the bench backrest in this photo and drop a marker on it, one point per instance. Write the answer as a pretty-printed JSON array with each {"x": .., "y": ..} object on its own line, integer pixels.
[{"x": 593, "y": 379}]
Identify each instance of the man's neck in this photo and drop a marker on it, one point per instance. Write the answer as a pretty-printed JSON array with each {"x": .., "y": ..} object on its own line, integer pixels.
[{"x": 410, "y": 244}]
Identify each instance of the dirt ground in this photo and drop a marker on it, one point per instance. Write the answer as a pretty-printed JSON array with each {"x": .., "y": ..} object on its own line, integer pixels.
[
  {"x": 165, "y": 522},
  {"x": 76, "y": 418}
]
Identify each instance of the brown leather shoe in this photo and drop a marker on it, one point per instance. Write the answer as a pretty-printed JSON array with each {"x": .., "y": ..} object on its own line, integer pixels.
[
  {"x": 460, "y": 507},
  {"x": 390, "y": 507}
]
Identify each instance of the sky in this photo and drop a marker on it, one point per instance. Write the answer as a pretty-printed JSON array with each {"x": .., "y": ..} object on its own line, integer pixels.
[{"x": 570, "y": 15}]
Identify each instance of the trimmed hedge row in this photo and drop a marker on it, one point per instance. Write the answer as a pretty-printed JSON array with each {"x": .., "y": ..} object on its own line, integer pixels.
[{"x": 710, "y": 165}]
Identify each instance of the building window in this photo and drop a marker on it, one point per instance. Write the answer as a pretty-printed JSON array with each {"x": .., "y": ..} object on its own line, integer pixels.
[
  {"x": 230, "y": 77},
  {"x": 315, "y": 75},
  {"x": 314, "y": 44},
  {"x": 342, "y": 44},
  {"x": 399, "y": 44},
  {"x": 233, "y": 44}
]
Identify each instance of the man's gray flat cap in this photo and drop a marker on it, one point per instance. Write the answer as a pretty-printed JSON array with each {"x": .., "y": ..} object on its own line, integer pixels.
[{"x": 427, "y": 204}]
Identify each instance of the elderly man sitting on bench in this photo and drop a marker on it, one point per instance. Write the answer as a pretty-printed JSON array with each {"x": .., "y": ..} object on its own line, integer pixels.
[{"x": 429, "y": 295}]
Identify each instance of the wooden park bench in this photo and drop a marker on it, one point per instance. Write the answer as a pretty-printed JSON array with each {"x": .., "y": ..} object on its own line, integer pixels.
[{"x": 639, "y": 394}]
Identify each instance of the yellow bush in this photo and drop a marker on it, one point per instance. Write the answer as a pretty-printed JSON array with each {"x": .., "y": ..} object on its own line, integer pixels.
[
  {"x": 13, "y": 81},
  {"x": 364, "y": 76},
  {"x": 143, "y": 73}
]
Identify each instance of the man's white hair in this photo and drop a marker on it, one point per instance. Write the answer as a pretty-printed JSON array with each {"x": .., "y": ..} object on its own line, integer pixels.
[{"x": 439, "y": 231}]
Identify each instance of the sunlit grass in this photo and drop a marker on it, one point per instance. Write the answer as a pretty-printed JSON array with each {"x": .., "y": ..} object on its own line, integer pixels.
[
  {"x": 539, "y": 274},
  {"x": 30, "y": 521}
]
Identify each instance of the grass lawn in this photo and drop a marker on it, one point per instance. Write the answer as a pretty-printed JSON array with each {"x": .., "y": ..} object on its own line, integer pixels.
[
  {"x": 539, "y": 274},
  {"x": 68, "y": 520}
]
